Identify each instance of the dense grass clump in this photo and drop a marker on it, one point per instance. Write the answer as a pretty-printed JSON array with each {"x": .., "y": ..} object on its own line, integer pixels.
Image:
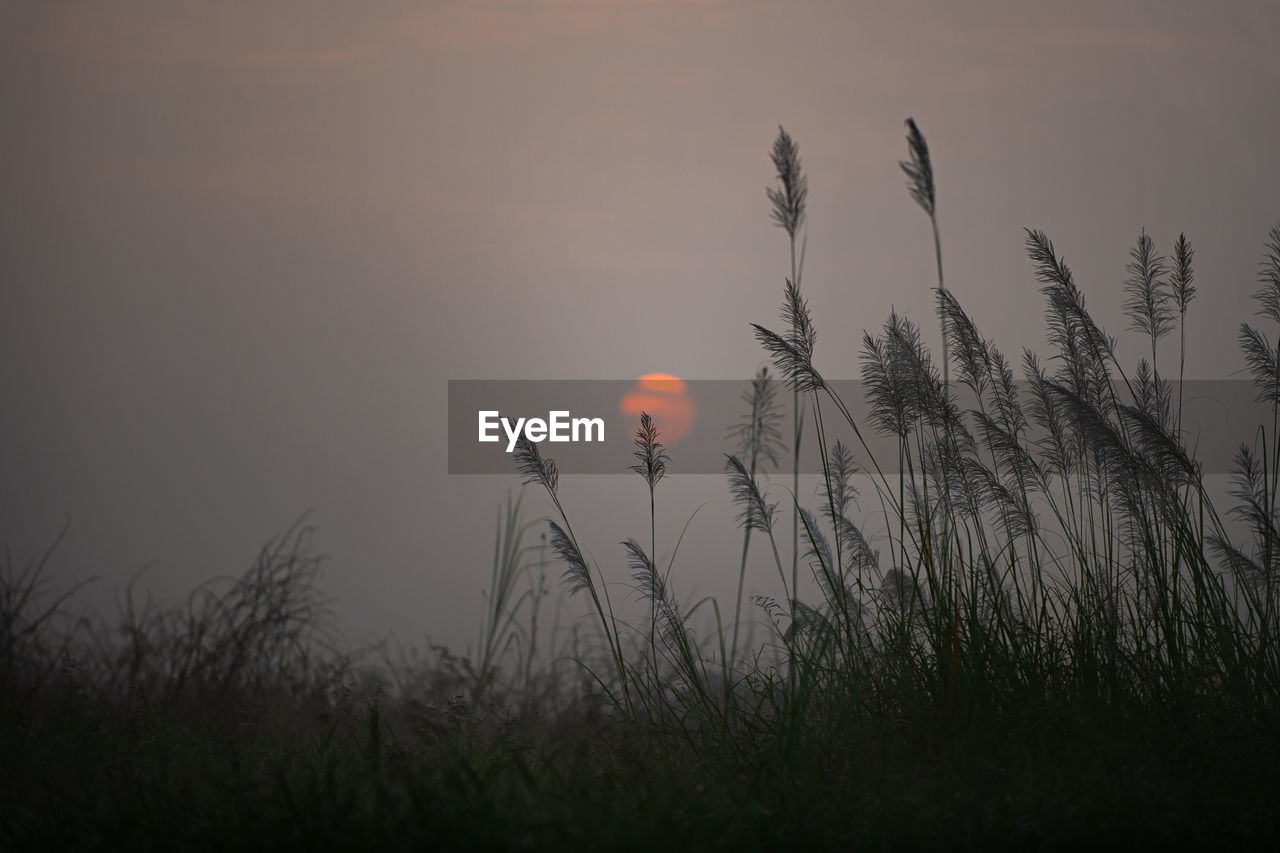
[{"x": 1057, "y": 637}]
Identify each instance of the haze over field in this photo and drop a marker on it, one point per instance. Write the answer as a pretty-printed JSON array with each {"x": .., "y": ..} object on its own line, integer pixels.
[{"x": 244, "y": 247}]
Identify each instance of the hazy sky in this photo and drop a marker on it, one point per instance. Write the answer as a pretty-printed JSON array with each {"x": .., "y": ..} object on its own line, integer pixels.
[{"x": 243, "y": 246}]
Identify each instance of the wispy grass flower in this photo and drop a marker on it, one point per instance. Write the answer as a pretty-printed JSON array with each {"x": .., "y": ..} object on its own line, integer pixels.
[
  {"x": 1147, "y": 294},
  {"x": 919, "y": 171},
  {"x": 534, "y": 467},
  {"x": 789, "y": 213},
  {"x": 757, "y": 435},
  {"x": 788, "y": 200},
  {"x": 651, "y": 464},
  {"x": 793, "y": 353},
  {"x": 541, "y": 470},
  {"x": 652, "y": 456},
  {"x": 754, "y": 512},
  {"x": 759, "y": 441}
]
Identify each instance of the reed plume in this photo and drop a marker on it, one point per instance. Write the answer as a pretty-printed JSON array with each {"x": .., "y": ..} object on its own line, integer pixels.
[
  {"x": 919, "y": 171},
  {"x": 789, "y": 214},
  {"x": 651, "y": 465},
  {"x": 759, "y": 441},
  {"x": 1147, "y": 294},
  {"x": 1183, "y": 289}
]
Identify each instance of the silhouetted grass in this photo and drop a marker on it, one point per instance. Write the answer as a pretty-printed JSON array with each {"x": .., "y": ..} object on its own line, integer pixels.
[{"x": 1057, "y": 639}]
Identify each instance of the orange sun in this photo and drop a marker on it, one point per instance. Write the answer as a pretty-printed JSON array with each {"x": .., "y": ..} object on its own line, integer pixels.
[{"x": 666, "y": 399}]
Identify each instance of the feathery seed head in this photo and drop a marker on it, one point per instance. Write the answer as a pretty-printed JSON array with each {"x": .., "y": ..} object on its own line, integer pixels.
[
  {"x": 649, "y": 451},
  {"x": 534, "y": 467},
  {"x": 919, "y": 169},
  {"x": 789, "y": 201}
]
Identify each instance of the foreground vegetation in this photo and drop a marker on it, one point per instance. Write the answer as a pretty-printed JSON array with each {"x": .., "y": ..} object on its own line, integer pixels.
[{"x": 1058, "y": 638}]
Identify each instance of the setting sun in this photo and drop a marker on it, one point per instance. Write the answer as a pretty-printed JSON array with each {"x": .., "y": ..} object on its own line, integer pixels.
[{"x": 666, "y": 399}]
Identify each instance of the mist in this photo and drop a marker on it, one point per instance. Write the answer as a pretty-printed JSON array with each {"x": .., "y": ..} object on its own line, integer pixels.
[{"x": 246, "y": 246}]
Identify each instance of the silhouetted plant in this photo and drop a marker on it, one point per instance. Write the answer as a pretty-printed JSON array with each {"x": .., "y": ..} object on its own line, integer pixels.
[
  {"x": 759, "y": 441},
  {"x": 789, "y": 214},
  {"x": 651, "y": 465},
  {"x": 919, "y": 172}
]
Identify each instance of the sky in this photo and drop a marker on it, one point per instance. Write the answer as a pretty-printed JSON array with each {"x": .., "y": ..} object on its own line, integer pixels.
[{"x": 245, "y": 246}]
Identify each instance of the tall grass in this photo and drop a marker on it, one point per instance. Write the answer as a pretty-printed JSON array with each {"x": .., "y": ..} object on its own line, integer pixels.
[
  {"x": 1054, "y": 631},
  {"x": 758, "y": 443},
  {"x": 789, "y": 203},
  {"x": 1051, "y": 541}
]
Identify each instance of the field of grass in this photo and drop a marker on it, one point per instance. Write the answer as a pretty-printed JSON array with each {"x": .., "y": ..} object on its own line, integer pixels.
[{"x": 1060, "y": 639}]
